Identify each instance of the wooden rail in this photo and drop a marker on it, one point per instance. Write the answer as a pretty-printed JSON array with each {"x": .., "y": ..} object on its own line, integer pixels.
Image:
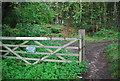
[
  {"x": 42, "y": 53},
  {"x": 36, "y": 38},
  {"x": 38, "y": 46},
  {"x": 50, "y": 60},
  {"x": 80, "y": 55}
]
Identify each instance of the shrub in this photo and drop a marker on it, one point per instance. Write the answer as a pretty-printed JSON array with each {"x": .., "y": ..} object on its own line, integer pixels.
[
  {"x": 59, "y": 35},
  {"x": 8, "y": 31},
  {"x": 46, "y": 70},
  {"x": 113, "y": 58},
  {"x": 106, "y": 34},
  {"x": 55, "y": 30},
  {"x": 59, "y": 25},
  {"x": 38, "y": 30}
]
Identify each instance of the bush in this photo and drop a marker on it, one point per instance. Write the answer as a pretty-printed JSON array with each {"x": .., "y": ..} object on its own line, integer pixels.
[
  {"x": 59, "y": 35},
  {"x": 39, "y": 13},
  {"x": 24, "y": 30},
  {"x": 8, "y": 31},
  {"x": 38, "y": 30},
  {"x": 107, "y": 34},
  {"x": 46, "y": 70},
  {"x": 59, "y": 25},
  {"x": 55, "y": 30},
  {"x": 113, "y": 58}
]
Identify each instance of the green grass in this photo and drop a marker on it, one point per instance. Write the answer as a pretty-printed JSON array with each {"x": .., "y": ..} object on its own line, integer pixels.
[
  {"x": 15, "y": 69},
  {"x": 95, "y": 38},
  {"x": 103, "y": 34},
  {"x": 113, "y": 58},
  {"x": 59, "y": 25}
]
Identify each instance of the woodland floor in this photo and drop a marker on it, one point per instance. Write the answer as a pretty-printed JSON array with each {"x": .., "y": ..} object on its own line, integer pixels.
[{"x": 95, "y": 56}]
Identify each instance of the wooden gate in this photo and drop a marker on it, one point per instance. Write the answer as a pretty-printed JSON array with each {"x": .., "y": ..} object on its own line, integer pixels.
[{"x": 80, "y": 54}]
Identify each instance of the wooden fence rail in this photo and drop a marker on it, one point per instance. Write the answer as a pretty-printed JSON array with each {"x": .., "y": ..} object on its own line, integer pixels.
[
  {"x": 36, "y": 38},
  {"x": 38, "y": 46},
  {"x": 42, "y": 53},
  {"x": 80, "y": 55}
]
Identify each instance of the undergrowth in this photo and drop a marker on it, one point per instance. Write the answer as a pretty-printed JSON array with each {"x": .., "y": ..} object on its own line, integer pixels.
[
  {"x": 15, "y": 69},
  {"x": 113, "y": 58},
  {"x": 103, "y": 34}
]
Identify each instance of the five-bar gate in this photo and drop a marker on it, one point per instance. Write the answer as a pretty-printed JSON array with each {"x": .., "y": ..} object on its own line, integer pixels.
[{"x": 80, "y": 54}]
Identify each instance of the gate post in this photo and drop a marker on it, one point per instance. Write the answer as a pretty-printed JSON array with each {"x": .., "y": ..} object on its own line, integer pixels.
[{"x": 81, "y": 45}]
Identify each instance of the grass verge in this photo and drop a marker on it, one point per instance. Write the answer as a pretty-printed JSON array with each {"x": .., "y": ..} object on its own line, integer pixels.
[{"x": 113, "y": 58}]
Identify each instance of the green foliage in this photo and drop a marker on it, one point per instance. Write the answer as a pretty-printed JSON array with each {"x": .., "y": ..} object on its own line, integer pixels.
[
  {"x": 38, "y": 30},
  {"x": 107, "y": 34},
  {"x": 8, "y": 31},
  {"x": 33, "y": 13},
  {"x": 113, "y": 58},
  {"x": 59, "y": 25},
  {"x": 15, "y": 69},
  {"x": 46, "y": 70},
  {"x": 73, "y": 14},
  {"x": 103, "y": 34},
  {"x": 38, "y": 13},
  {"x": 29, "y": 19},
  {"x": 29, "y": 30},
  {"x": 55, "y": 30},
  {"x": 59, "y": 35}
]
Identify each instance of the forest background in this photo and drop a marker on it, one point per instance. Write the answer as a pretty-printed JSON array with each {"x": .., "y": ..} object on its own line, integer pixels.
[{"x": 60, "y": 19}]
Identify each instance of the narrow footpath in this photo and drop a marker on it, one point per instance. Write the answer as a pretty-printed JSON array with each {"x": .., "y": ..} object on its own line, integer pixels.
[{"x": 95, "y": 56}]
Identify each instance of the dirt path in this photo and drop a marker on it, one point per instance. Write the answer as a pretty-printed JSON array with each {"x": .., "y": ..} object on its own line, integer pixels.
[{"x": 95, "y": 56}]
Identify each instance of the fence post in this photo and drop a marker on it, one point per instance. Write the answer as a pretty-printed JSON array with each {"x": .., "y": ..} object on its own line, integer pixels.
[{"x": 81, "y": 51}]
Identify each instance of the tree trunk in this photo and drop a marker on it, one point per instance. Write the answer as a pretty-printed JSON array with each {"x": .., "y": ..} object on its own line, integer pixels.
[{"x": 57, "y": 20}]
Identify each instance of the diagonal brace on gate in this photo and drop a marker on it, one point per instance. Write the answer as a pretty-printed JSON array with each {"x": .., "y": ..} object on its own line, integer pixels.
[
  {"x": 49, "y": 50},
  {"x": 16, "y": 54},
  {"x": 16, "y": 47},
  {"x": 55, "y": 51}
]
